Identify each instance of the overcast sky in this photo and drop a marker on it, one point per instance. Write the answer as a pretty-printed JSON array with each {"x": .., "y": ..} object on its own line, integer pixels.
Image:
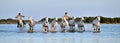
[{"x": 52, "y": 8}]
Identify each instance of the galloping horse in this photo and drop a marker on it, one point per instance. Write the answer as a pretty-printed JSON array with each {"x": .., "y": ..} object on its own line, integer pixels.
[
  {"x": 96, "y": 24},
  {"x": 21, "y": 23},
  {"x": 72, "y": 24},
  {"x": 46, "y": 25},
  {"x": 54, "y": 25},
  {"x": 31, "y": 24},
  {"x": 81, "y": 25},
  {"x": 64, "y": 24}
]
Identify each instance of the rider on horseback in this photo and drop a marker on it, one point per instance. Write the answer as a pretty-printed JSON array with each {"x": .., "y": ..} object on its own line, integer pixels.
[{"x": 19, "y": 17}]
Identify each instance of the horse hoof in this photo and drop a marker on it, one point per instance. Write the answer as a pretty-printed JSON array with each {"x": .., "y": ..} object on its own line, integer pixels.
[
  {"x": 72, "y": 30},
  {"x": 45, "y": 31},
  {"x": 96, "y": 31},
  {"x": 30, "y": 31},
  {"x": 53, "y": 31},
  {"x": 80, "y": 31},
  {"x": 63, "y": 31}
]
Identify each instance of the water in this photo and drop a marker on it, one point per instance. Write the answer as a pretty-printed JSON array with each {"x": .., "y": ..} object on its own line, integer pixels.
[{"x": 9, "y": 33}]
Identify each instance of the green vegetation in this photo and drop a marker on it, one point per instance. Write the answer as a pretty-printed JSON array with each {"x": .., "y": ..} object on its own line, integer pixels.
[
  {"x": 106, "y": 20},
  {"x": 50, "y": 20},
  {"x": 9, "y": 21}
]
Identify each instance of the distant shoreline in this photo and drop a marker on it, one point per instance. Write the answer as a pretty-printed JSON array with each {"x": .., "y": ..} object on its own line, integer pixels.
[{"x": 88, "y": 20}]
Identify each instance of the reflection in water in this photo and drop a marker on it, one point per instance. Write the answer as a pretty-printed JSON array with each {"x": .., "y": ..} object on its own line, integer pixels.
[
  {"x": 81, "y": 40},
  {"x": 67, "y": 40},
  {"x": 96, "y": 40},
  {"x": 31, "y": 40}
]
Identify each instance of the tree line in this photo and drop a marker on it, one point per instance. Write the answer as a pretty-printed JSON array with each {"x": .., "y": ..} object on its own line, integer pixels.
[
  {"x": 106, "y": 20},
  {"x": 9, "y": 21}
]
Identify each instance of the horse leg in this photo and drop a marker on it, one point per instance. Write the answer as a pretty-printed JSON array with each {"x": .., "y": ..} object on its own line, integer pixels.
[
  {"x": 61, "y": 29},
  {"x": 72, "y": 29},
  {"x": 94, "y": 27},
  {"x": 55, "y": 28},
  {"x": 32, "y": 28},
  {"x": 78, "y": 28},
  {"x": 83, "y": 28},
  {"x": 65, "y": 29},
  {"x": 18, "y": 25},
  {"x": 22, "y": 25},
  {"x": 46, "y": 29},
  {"x": 43, "y": 29},
  {"x": 98, "y": 28}
]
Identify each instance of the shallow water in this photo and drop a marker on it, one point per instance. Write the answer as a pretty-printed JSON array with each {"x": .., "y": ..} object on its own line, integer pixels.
[{"x": 9, "y": 33}]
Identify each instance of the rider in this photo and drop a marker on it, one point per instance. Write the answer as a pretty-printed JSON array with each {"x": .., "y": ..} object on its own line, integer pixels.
[
  {"x": 19, "y": 17},
  {"x": 66, "y": 16}
]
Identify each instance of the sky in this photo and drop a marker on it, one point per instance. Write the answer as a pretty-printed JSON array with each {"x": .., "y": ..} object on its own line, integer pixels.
[{"x": 39, "y": 9}]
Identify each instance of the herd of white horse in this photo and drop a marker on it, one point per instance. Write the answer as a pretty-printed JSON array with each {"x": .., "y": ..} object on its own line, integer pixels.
[{"x": 65, "y": 22}]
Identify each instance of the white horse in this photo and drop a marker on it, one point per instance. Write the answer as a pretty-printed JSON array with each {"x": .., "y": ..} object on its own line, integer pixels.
[
  {"x": 64, "y": 24},
  {"x": 54, "y": 25},
  {"x": 81, "y": 25},
  {"x": 72, "y": 24},
  {"x": 20, "y": 23},
  {"x": 96, "y": 24},
  {"x": 31, "y": 24},
  {"x": 46, "y": 25}
]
